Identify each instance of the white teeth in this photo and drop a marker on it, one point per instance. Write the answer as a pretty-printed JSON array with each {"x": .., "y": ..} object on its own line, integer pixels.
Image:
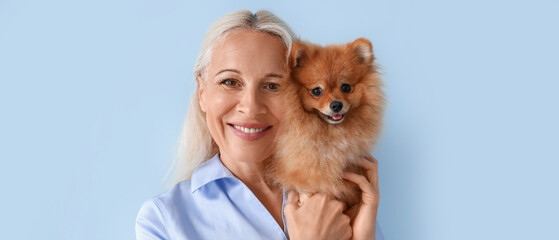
[{"x": 249, "y": 130}]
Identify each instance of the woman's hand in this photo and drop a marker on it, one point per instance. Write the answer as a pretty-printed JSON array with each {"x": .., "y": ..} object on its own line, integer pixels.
[
  {"x": 364, "y": 214},
  {"x": 319, "y": 217}
]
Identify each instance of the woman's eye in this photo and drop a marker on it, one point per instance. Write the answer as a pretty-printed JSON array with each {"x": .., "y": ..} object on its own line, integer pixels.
[
  {"x": 272, "y": 86},
  {"x": 229, "y": 82},
  {"x": 346, "y": 88},
  {"x": 317, "y": 91}
]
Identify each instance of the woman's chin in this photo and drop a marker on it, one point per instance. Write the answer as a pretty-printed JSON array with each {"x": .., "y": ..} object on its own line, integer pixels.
[{"x": 251, "y": 154}]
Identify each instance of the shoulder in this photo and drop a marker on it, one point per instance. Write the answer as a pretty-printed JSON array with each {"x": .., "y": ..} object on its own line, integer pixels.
[{"x": 157, "y": 213}]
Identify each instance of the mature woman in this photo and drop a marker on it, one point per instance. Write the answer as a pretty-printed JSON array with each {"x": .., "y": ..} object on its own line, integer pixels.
[{"x": 230, "y": 131}]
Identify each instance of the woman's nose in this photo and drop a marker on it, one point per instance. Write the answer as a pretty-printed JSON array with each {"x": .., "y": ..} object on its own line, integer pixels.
[{"x": 251, "y": 103}]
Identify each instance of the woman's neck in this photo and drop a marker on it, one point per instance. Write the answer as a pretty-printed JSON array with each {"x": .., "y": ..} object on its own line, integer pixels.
[
  {"x": 254, "y": 177},
  {"x": 250, "y": 173}
]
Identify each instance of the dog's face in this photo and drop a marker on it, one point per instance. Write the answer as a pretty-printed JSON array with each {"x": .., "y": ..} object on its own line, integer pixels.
[{"x": 333, "y": 78}]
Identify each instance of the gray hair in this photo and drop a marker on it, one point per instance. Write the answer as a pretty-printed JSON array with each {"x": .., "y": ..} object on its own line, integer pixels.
[{"x": 196, "y": 144}]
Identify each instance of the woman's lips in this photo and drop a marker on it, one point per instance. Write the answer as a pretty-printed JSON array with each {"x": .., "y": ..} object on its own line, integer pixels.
[{"x": 249, "y": 131}]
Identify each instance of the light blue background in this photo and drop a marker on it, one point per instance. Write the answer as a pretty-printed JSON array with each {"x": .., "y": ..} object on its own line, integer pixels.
[{"x": 93, "y": 95}]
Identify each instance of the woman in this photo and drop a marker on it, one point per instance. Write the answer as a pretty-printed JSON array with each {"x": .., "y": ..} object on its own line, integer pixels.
[{"x": 230, "y": 131}]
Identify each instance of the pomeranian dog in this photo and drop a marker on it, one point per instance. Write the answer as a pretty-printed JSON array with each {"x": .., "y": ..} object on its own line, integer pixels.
[{"x": 334, "y": 115}]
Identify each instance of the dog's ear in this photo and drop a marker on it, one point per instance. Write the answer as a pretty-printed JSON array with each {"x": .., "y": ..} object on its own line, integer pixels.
[
  {"x": 297, "y": 55},
  {"x": 363, "y": 49}
]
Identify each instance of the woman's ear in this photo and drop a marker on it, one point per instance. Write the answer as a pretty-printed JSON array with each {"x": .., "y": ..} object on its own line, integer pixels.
[{"x": 201, "y": 93}]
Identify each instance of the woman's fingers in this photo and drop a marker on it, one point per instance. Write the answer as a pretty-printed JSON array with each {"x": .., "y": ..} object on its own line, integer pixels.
[
  {"x": 363, "y": 223},
  {"x": 370, "y": 164},
  {"x": 370, "y": 194},
  {"x": 320, "y": 217},
  {"x": 303, "y": 196},
  {"x": 293, "y": 197},
  {"x": 360, "y": 180},
  {"x": 370, "y": 158},
  {"x": 292, "y": 201}
]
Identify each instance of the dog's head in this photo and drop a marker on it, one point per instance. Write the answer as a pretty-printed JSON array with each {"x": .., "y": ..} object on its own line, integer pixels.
[{"x": 334, "y": 78}]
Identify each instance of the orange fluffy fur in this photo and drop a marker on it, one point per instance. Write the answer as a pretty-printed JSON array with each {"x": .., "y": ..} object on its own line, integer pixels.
[{"x": 312, "y": 153}]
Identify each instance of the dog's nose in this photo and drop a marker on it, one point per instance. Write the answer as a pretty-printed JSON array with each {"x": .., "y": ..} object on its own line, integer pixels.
[{"x": 336, "y": 106}]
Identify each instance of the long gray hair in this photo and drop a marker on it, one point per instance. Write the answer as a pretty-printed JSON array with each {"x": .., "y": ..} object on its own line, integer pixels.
[{"x": 196, "y": 144}]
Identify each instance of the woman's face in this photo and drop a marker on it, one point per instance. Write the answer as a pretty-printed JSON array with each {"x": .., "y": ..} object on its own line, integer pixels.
[{"x": 241, "y": 95}]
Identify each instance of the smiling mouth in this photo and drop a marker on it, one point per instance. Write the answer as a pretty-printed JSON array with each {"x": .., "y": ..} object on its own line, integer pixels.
[
  {"x": 249, "y": 130},
  {"x": 334, "y": 118}
]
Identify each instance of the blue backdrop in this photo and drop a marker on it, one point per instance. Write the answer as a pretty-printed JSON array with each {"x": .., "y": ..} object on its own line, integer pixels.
[{"x": 93, "y": 95}]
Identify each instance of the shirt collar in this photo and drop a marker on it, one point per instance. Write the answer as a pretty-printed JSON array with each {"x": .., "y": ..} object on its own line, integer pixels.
[{"x": 209, "y": 171}]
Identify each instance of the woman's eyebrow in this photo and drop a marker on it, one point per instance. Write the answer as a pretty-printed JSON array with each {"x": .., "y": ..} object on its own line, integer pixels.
[
  {"x": 269, "y": 75},
  {"x": 228, "y": 70},
  {"x": 273, "y": 75}
]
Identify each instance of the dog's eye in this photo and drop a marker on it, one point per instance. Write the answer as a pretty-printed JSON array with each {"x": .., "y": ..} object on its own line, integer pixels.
[
  {"x": 317, "y": 91},
  {"x": 346, "y": 88}
]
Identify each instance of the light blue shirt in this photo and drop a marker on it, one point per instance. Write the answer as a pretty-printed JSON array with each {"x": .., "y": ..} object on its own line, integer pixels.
[{"x": 213, "y": 204}]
